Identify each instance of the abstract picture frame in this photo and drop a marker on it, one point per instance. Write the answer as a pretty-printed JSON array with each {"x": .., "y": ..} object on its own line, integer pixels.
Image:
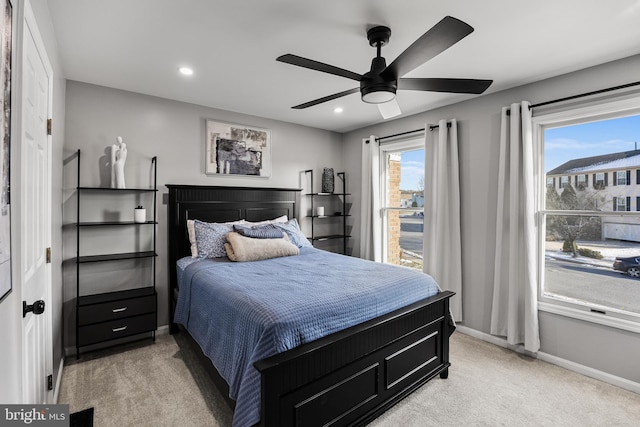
[
  {"x": 6, "y": 28},
  {"x": 237, "y": 150}
]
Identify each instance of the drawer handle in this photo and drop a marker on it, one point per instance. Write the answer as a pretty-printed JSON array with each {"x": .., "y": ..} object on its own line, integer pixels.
[
  {"x": 118, "y": 310},
  {"x": 119, "y": 329}
]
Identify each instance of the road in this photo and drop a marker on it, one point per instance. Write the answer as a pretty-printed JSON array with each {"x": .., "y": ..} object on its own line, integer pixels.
[
  {"x": 598, "y": 285},
  {"x": 411, "y": 233}
]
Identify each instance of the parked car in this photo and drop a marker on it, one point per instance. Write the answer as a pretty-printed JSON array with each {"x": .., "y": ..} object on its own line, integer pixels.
[{"x": 629, "y": 265}]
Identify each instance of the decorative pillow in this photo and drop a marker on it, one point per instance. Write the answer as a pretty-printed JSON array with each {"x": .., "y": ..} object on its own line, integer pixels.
[
  {"x": 292, "y": 229},
  {"x": 210, "y": 238},
  {"x": 282, "y": 218},
  {"x": 267, "y": 231},
  {"x": 192, "y": 235},
  {"x": 191, "y": 229},
  {"x": 241, "y": 248}
]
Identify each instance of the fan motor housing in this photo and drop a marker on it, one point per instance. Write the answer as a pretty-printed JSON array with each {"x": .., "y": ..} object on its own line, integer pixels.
[{"x": 374, "y": 89}]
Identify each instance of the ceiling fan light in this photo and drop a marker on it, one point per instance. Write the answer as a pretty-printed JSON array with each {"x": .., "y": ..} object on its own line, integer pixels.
[{"x": 378, "y": 96}]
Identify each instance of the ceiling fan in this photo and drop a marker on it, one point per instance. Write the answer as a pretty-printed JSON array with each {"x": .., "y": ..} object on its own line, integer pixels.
[{"x": 380, "y": 83}]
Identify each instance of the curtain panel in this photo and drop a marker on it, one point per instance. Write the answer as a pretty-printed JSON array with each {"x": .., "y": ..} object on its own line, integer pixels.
[
  {"x": 370, "y": 207},
  {"x": 514, "y": 312},
  {"x": 442, "y": 239}
]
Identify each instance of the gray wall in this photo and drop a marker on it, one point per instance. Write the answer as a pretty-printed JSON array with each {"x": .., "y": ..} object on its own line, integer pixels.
[
  {"x": 174, "y": 132},
  {"x": 478, "y": 130}
]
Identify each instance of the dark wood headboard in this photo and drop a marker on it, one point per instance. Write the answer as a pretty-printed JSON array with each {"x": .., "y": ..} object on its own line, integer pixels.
[{"x": 219, "y": 204}]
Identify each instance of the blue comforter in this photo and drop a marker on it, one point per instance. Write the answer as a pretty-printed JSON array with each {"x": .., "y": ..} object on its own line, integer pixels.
[{"x": 243, "y": 312}]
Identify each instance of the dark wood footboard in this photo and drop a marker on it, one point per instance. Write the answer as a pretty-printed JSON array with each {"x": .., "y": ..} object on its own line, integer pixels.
[{"x": 352, "y": 376}]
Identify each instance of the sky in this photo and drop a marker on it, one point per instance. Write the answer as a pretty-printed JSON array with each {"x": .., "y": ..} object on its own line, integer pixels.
[
  {"x": 411, "y": 169},
  {"x": 590, "y": 139}
]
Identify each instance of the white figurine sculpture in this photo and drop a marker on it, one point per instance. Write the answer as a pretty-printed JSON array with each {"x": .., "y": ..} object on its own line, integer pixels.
[{"x": 118, "y": 157}]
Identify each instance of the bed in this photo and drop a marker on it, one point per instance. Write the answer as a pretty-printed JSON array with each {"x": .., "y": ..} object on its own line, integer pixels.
[{"x": 348, "y": 377}]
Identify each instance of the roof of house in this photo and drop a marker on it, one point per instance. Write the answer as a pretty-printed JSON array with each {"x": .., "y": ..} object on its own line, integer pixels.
[{"x": 614, "y": 161}]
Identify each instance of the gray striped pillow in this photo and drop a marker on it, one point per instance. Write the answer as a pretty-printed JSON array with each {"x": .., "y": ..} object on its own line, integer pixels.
[{"x": 266, "y": 231}]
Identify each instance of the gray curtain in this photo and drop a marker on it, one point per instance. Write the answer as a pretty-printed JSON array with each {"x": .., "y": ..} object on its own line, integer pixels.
[
  {"x": 370, "y": 208},
  {"x": 442, "y": 240},
  {"x": 514, "y": 313}
]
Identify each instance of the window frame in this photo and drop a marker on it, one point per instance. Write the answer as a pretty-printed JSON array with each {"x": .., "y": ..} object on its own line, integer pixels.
[
  {"x": 620, "y": 204},
  {"x": 603, "y": 110},
  {"x": 415, "y": 142}
]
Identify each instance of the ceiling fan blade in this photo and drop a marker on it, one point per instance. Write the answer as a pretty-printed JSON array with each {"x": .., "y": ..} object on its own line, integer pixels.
[
  {"x": 439, "y": 38},
  {"x": 445, "y": 85},
  {"x": 318, "y": 66},
  {"x": 326, "y": 98},
  {"x": 389, "y": 109}
]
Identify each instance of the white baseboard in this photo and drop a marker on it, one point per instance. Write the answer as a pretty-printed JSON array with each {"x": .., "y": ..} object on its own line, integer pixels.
[
  {"x": 56, "y": 390},
  {"x": 555, "y": 360}
]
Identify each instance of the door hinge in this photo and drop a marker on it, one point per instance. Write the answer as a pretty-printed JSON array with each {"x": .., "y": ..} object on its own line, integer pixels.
[
  {"x": 50, "y": 382},
  {"x": 49, "y": 125},
  {"x": 48, "y": 255}
]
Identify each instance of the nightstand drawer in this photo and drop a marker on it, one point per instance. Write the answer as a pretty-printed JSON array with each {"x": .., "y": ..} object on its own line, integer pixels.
[
  {"x": 113, "y": 310},
  {"x": 99, "y": 332}
]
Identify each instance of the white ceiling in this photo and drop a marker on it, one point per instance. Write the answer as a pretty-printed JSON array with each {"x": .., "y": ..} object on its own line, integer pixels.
[{"x": 138, "y": 45}]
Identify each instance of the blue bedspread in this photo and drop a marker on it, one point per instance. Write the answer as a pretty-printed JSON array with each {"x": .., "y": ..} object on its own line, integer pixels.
[{"x": 243, "y": 312}]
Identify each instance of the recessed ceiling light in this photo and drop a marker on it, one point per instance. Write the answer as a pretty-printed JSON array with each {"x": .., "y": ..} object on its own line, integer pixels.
[
  {"x": 186, "y": 71},
  {"x": 338, "y": 110}
]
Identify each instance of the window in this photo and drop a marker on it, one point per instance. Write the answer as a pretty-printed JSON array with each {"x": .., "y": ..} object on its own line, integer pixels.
[
  {"x": 582, "y": 231},
  {"x": 551, "y": 182},
  {"x": 621, "y": 178},
  {"x": 581, "y": 182},
  {"x": 402, "y": 166},
  {"x": 621, "y": 204}
]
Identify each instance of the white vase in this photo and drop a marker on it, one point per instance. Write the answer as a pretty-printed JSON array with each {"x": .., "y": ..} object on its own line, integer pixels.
[{"x": 140, "y": 215}]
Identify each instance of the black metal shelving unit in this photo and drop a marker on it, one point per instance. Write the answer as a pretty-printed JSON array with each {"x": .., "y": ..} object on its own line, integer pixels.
[
  {"x": 106, "y": 316},
  {"x": 343, "y": 213}
]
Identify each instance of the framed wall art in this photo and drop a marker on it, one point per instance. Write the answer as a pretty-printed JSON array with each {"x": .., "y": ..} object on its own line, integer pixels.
[
  {"x": 5, "y": 147},
  {"x": 238, "y": 150}
]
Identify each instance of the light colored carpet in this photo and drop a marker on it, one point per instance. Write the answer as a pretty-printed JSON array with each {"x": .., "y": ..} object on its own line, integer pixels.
[
  {"x": 162, "y": 384},
  {"x": 144, "y": 384}
]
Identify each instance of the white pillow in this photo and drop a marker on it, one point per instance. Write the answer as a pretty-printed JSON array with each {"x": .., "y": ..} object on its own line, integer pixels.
[
  {"x": 280, "y": 219},
  {"x": 241, "y": 248},
  {"x": 192, "y": 235}
]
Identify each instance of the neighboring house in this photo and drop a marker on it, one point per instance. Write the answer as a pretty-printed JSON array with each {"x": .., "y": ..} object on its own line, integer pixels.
[
  {"x": 417, "y": 200},
  {"x": 405, "y": 203},
  {"x": 411, "y": 199},
  {"x": 613, "y": 180}
]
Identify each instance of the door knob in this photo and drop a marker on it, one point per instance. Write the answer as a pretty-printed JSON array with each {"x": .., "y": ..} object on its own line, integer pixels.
[{"x": 37, "y": 308}]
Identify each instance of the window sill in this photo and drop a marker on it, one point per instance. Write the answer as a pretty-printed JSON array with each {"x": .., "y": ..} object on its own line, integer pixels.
[{"x": 588, "y": 316}]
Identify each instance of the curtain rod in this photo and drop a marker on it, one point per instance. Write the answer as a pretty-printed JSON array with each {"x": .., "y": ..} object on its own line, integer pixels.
[
  {"x": 432, "y": 127},
  {"x": 581, "y": 95}
]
